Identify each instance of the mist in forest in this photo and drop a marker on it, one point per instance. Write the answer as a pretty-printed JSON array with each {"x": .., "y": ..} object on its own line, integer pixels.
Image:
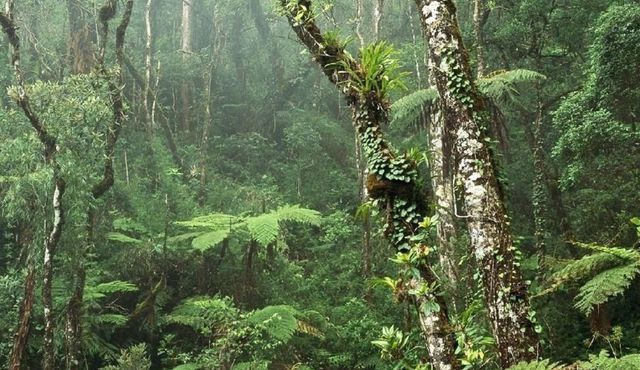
[{"x": 319, "y": 184}]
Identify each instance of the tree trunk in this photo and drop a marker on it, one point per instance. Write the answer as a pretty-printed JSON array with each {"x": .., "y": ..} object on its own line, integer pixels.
[
  {"x": 466, "y": 122},
  {"x": 81, "y": 39},
  {"x": 479, "y": 16},
  {"x": 21, "y": 336},
  {"x": 399, "y": 199},
  {"x": 187, "y": 49},
  {"x": 441, "y": 182},
  {"x": 539, "y": 196}
]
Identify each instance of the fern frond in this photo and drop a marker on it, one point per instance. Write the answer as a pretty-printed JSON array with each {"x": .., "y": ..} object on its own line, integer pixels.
[
  {"x": 214, "y": 221},
  {"x": 110, "y": 319},
  {"x": 501, "y": 85},
  {"x": 537, "y": 365},
  {"x": 183, "y": 237},
  {"x": 279, "y": 321},
  {"x": 253, "y": 365},
  {"x": 605, "y": 285},
  {"x": 93, "y": 293},
  {"x": 297, "y": 214},
  {"x": 211, "y": 239},
  {"x": 623, "y": 253},
  {"x": 200, "y": 313},
  {"x": 122, "y": 238},
  {"x": 264, "y": 228},
  {"x": 410, "y": 107}
]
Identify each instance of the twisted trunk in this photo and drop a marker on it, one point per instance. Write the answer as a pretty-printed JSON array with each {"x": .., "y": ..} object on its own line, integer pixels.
[
  {"x": 73, "y": 329},
  {"x": 398, "y": 196},
  {"x": 466, "y": 122}
]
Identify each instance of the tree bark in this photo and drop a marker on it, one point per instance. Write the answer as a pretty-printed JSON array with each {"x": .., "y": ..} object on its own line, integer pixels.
[
  {"x": 186, "y": 48},
  {"x": 21, "y": 336},
  {"x": 466, "y": 122},
  {"x": 81, "y": 38},
  {"x": 442, "y": 184},
  {"x": 400, "y": 200}
]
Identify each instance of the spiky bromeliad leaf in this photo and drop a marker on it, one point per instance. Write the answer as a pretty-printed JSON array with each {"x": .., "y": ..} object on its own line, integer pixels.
[
  {"x": 279, "y": 321},
  {"x": 210, "y": 239},
  {"x": 122, "y": 238},
  {"x": 605, "y": 285}
]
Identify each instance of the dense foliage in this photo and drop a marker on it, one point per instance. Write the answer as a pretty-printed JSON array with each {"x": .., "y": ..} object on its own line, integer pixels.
[{"x": 242, "y": 229}]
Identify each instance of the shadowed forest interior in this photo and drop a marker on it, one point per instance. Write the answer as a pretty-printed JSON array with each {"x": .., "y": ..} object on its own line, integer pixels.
[{"x": 320, "y": 184}]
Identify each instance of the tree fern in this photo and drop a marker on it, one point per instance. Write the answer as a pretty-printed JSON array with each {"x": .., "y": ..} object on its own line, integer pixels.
[
  {"x": 608, "y": 272},
  {"x": 202, "y": 313},
  {"x": 605, "y": 285},
  {"x": 411, "y": 106},
  {"x": 207, "y": 240},
  {"x": 295, "y": 213},
  {"x": 500, "y": 87},
  {"x": 537, "y": 365},
  {"x": 279, "y": 321},
  {"x": 264, "y": 229}
]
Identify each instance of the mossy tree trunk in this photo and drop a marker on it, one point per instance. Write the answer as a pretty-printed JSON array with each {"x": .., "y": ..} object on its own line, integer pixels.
[
  {"x": 391, "y": 182},
  {"x": 466, "y": 121}
]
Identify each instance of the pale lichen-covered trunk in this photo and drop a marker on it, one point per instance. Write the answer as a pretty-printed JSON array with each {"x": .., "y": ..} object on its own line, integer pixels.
[
  {"x": 399, "y": 200},
  {"x": 466, "y": 122},
  {"x": 186, "y": 49},
  {"x": 442, "y": 184}
]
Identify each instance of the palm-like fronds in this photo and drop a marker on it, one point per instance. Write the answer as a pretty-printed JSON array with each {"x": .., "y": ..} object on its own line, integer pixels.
[
  {"x": 608, "y": 272},
  {"x": 501, "y": 87},
  {"x": 212, "y": 229}
]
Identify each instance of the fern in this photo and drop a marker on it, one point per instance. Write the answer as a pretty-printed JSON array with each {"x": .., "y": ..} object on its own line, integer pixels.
[
  {"x": 213, "y": 221},
  {"x": 202, "y": 313},
  {"x": 207, "y": 240},
  {"x": 604, "y": 362},
  {"x": 102, "y": 290},
  {"x": 279, "y": 321},
  {"x": 297, "y": 214},
  {"x": 411, "y": 106},
  {"x": 264, "y": 228},
  {"x": 609, "y": 271},
  {"x": 537, "y": 365},
  {"x": 605, "y": 285},
  {"x": 122, "y": 238},
  {"x": 500, "y": 86}
]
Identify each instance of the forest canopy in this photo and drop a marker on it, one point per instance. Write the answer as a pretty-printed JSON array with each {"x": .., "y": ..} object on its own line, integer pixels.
[{"x": 319, "y": 184}]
